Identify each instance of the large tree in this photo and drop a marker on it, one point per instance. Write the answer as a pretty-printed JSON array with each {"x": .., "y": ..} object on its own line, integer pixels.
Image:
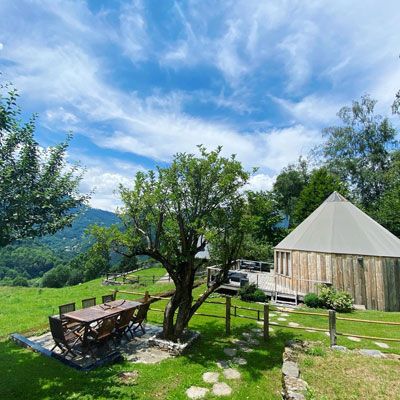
[
  {"x": 37, "y": 190},
  {"x": 173, "y": 214},
  {"x": 359, "y": 149},
  {"x": 288, "y": 186},
  {"x": 321, "y": 184}
]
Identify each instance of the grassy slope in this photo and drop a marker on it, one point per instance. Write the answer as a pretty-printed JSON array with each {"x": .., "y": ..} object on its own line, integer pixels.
[
  {"x": 336, "y": 376},
  {"x": 25, "y": 309}
]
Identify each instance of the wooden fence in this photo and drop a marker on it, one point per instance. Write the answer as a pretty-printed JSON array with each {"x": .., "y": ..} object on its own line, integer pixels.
[{"x": 263, "y": 315}]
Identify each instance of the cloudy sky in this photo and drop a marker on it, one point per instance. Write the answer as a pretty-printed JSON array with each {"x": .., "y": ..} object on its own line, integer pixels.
[{"x": 137, "y": 81}]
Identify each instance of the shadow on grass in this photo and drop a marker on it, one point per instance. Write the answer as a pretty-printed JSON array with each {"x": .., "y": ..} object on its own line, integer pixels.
[
  {"x": 28, "y": 375},
  {"x": 265, "y": 356}
]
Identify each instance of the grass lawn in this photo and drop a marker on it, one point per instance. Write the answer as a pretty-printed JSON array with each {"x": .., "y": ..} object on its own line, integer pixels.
[
  {"x": 334, "y": 375},
  {"x": 24, "y": 374}
]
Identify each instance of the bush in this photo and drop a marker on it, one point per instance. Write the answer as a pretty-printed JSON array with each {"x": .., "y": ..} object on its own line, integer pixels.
[
  {"x": 251, "y": 293},
  {"x": 336, "y": 300},
  {"x": 312, "y": 300}
]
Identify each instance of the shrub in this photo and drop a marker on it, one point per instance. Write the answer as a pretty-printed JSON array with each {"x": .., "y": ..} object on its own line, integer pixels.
[
  {"x": 312, "y": 300},
  {"x": 251, "y": 293},
  {"x": 336, "y": 300}
]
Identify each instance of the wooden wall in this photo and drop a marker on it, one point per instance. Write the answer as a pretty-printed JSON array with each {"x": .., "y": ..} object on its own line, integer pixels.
[{"x": 372, "y": 281}]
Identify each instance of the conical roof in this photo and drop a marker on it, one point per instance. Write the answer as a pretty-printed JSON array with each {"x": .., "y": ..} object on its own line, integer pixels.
[{"x": 338, "y": 226}]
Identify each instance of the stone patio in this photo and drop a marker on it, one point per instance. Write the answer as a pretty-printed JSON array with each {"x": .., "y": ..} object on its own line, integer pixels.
[{"x": 137, "y": 350}]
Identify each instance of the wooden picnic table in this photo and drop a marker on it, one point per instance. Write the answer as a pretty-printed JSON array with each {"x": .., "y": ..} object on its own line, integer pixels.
[{"x": 90, "y": 315}]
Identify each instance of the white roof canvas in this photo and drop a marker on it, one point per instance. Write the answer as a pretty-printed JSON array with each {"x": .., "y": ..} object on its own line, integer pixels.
[{"x": 338, "y": 226}]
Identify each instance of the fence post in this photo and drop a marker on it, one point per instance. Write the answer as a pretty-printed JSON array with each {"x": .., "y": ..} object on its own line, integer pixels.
[
  {"x": 266, "y": 321},
  {"x": 228, "y": 316},
  {"x": 332, "y": 327},
  {"x": 146, "y": 296},
  {"x": 115, "y": 294}
]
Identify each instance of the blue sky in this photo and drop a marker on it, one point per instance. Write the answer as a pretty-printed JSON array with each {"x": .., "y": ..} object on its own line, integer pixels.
[{"x": 137, "y": 81}]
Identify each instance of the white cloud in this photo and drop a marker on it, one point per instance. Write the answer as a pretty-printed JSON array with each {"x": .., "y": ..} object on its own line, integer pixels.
[
  {"x": 260, "y": 182},
  {"x": 1, "y": 46}
]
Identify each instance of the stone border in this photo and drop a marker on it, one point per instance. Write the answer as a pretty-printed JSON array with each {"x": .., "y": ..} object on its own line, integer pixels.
[
  {"x": 293, "y": 387},
  {"x": 174, "y": 348}
]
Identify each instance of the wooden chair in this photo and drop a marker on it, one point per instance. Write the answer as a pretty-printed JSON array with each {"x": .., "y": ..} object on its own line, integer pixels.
[
  {"x": 107, "y": 298},
  {"x": 123, "y": 323},
  {"x": 89, "y": 302},
  {"x": 101, "y": 334},
  {"x": 139, "y": 319},
  {"x": 66, "y": 308},
  {"x": 64, "y": 339}
]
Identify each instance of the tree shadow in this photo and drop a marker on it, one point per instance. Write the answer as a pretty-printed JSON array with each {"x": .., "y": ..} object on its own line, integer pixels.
[{"x": 26, "y": 374}]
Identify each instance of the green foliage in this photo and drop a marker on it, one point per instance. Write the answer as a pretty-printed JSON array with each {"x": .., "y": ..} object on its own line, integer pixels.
[
  {"x": 316, "y": 351},
  {"x": 331, "y": 298},
  {"x": 251, "y": 293},
  {"x": 56, "y": 277},
  {"x": 359, "y": 150},
  {"x": 38, "y": 191},
  {"x": 312, "y": 300},
  {"x": 288, "y": 186},
  {"x": 321, "y": 184}
]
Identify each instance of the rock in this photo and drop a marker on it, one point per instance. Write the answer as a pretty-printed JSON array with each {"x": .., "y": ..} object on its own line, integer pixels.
[
  {"x": 284, "y": 315},
  {"x": 339, "y": 348},
  {"x": 246, "y": 335},
  {"x": 230, "y": 352},
  {"x": 239, "y": 361},
  {"x": 231, "y": 373},
  {"x": 372, "y": 353},
  {"x": 211, "y": 377},
  {"x": 310, "y": 330},
  {"x": 253, "y": 342},
  {"x": 128, "y": 377},
  {"x": 293, "y": 324},
  {"x": 294, "y": 388},
  {"x": 354, "y": 339},
  {"x": 290, "y": 368},
  {"x": 246, "y": 349},
  {"x": 272, "y": 315},
  {"x": 382, "y": 345},
  {"x": 223, "y": 364},
  {"x": 221, "y": 389},
  {"x": 282, "y": 319},
  {"x": 195, "y": 392},
  {"x": 327, "y": 334},
  {"x": 256, "y": 330}
]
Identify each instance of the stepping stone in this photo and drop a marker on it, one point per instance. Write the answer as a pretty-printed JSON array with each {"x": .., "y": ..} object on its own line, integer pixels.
[
  {"x": 246, "y": 335},
  {"x": 230, "y": 352},
  {"x": 282, "y": 319},
  {"x": 294, "y": 324},
  {"x": 232, "y": 373},
  {"x": 246, "y": 349},
  {"x": 271, "y": 315},
  {"x": 223, "y": 364},
  {"x": 310, "y": 330},
  {"x": 290, "y": 368},
  {"x": 327, "y": 334},
  {"x": 382, "y": 345},
  {"x": 195, "y": 392},
  {"x": 371, "y": 353},
  {"x": 256, "y": 330},
  {"x": 284, "y": 315},
  {"x": 253, "y": 342},
  {"x": 354, "y": 339},
  {"x": 239, "y": 361},
  {"x": 211, "y": 377},
  {"x": 339, "y": 348},
  {"x": 221, "y": 389}
]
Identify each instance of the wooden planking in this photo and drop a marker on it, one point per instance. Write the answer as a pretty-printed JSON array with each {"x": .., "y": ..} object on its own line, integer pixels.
[{"x": 379, "y": 284}]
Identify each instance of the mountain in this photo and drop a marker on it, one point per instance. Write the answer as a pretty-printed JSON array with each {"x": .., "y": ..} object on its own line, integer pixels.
[{"x": 72, "y": 240}]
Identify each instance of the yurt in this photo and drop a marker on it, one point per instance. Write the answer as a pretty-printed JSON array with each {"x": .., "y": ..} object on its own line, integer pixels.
[{"x": 340, "y": 245}]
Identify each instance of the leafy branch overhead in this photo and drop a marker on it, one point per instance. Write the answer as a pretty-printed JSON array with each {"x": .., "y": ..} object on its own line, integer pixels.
[{"x": 38, "y": 190}]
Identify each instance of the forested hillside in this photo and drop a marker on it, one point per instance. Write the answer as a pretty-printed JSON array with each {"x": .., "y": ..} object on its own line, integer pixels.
[{"x": 25, "y": 261}]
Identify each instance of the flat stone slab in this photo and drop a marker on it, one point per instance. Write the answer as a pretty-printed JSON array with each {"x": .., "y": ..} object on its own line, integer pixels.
[
  {"x": 230, "y": 352},
  {"x": 354, "y": 339},
  {"x": 196, "y": 392},
  {"x": 221, "y": 389},
  {"x": 282, "y": 319},
  {"x": 256, "y": 330},
  {"x": 290, "y": 368},
  {"x": 382, "y": 345},
  {"x": 253, "y": 342},
  {"x": 284, "y": 315},
  {"x": 293, "y": 324},
  {"x": 239, "y": 361},
  {"x": 372, "y": 353},
  {"x": 247, "y": 335},
  {"x": 339, "y": 348},
  {"x": 246, "y": 349},
  {"x": 231, "y": 373},
  {"x": 223, "y": 364},
  {"x": 310, "y": 330},
  {"x": 211, "y": 377},
  {"x": 272, "y": 315},
  {"x": 327, "y": 334}
]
